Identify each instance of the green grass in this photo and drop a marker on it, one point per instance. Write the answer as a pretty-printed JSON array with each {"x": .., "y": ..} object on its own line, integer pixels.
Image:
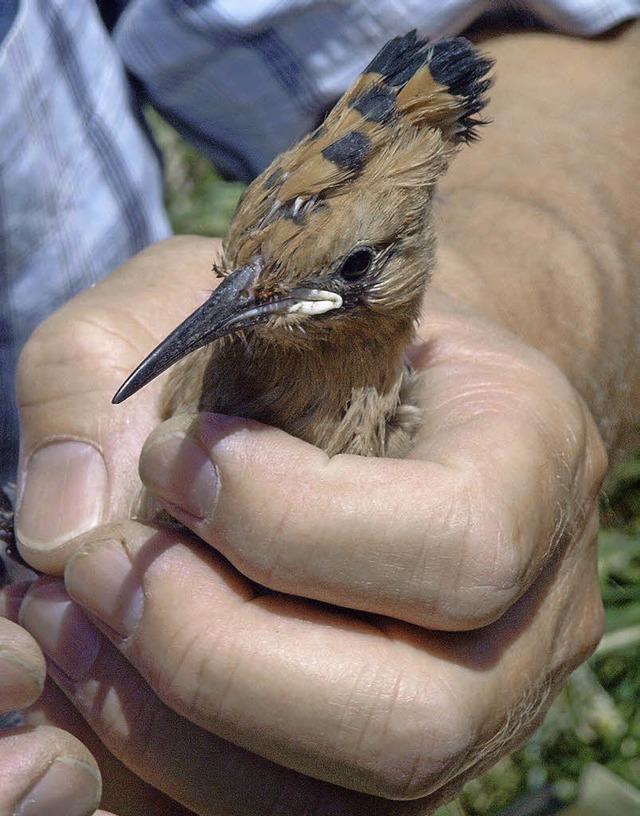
[
  {"x": 597, "y": 717},
  {"x": 198, "y": 200}
]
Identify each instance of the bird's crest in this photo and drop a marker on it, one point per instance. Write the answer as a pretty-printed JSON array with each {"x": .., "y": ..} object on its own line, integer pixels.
[
  {"x": 334, "y": 240},
  {"x": 399, "y": 122}
]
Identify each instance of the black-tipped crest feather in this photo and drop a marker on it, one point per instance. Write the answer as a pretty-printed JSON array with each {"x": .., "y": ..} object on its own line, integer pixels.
[
  {"x": 411, "y": 88},
  {"x": 453, "y": 63},
  {"x": 456, "y": 64},
  {"x": 395, "y": 55}
]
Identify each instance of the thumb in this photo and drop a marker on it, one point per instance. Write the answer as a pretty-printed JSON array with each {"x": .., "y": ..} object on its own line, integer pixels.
[{"x": 78, "y": 452}]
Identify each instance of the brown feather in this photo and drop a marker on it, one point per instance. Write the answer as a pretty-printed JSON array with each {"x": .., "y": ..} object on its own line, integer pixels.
[{"x": 347, "y": 211}]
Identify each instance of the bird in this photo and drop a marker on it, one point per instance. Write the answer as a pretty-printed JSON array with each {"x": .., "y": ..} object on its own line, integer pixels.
[{"x": 327, "y": 260}]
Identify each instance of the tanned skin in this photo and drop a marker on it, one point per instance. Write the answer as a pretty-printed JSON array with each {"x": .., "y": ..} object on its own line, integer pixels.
[{"x": 526, "y": 346}]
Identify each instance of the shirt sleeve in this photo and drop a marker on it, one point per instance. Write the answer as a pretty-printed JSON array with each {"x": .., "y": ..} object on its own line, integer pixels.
[
  {"x": 244, "y": 80},
  {"x": 80, "y": 183}
]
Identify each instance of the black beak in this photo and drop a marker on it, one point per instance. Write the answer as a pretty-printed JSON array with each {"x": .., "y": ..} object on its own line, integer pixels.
[{"x": 230, "y": 308}]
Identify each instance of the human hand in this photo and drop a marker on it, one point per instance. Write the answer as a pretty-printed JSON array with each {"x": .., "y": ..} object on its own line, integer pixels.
[
  {"x": 45, "y": 770},
  {"x": 47, "y": 750},
  {"x": 491, "y": 523},
  {"x": 64, "y": 494}
]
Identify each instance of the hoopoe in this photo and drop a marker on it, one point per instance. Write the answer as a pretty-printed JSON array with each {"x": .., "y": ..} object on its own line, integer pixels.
[{"x": 327, "y": 260}]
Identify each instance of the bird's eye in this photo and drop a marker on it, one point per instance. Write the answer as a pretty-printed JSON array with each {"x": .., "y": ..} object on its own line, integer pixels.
[{"x": 356, "y": 264}]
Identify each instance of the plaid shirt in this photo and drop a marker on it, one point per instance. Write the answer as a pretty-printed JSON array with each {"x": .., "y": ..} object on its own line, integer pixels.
[{"x": 80, "y": 182}]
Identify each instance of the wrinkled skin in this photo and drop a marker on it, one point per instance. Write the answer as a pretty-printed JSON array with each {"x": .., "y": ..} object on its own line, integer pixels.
[{"x": 237, "y": 700}]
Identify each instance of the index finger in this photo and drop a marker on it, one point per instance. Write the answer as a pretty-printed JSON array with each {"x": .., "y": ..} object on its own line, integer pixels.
[{"x": 79, "y": 453}]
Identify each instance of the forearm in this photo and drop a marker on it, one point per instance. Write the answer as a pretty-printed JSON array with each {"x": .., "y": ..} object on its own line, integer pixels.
[{"x": 538, "y": 225}]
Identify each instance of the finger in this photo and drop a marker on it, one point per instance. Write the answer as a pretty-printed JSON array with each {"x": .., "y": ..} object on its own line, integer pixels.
[
  {"x": 369, "y": 704},
  {"x": 206, "y": 773},
  {"x": 78, "y": 452},
  {"x": 46, "y": 770},
  {"x": 22, "y": 667},
  {"x": 448, "y": 539},
  {"x": 123, "y": 793},
  {"x": 11, "y": 597}
]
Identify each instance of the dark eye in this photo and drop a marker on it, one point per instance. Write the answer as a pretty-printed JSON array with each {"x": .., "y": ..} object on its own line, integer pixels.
[{"x": 356, "y": 264}]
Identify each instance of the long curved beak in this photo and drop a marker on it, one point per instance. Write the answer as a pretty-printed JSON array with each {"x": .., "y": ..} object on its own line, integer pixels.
[
  {"x": 228, "y": 307},
  {"x": 231, "y": 308}
]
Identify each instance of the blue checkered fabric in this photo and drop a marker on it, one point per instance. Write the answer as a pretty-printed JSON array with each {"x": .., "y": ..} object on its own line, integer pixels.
[
  {"x": 244, "y": 80},
  {"x": 80, "y": 183}
]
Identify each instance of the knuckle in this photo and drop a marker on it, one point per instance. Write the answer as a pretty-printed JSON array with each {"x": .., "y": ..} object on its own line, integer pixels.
[
  {"x": 591, "y": 621},
  {"x": 598, "y": 458},
  {"x": 63, "y": 340},
  {"x": 589, "y": 451},
  {"x": 492, "y": 572},
  {"x": 584, "y": 636},
  {"x": 140, "y": 747},
  {"x": 593, "y": 628},
  {"x": 33, "y": 354},
  {"x": 427, "y": 728},
  {"x": 187, "y": 683}
]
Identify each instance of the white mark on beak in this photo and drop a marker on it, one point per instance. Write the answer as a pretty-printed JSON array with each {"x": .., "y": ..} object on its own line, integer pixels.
[{"x": 314, "y": 302}]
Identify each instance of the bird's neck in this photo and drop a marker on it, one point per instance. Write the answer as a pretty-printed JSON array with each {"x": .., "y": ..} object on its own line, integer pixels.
[{"x": 339, "y": 399}]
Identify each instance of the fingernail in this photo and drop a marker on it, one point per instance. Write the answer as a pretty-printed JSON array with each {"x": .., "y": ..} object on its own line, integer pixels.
[
  {"x": 21, "y": 683},
  {"x": 68, "y": 788},
  {"x": 63, "y": 492},
  {"x": 102, "y": 579},
  {"x": 178, "y": 470},
  {"x": 63, "y": 632}
]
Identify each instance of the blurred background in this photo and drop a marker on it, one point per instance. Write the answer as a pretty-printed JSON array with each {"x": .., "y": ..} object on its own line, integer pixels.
[{"x": 585, "y": 759}]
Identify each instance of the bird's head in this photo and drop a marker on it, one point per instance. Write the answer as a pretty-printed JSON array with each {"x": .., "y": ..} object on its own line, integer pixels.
[{"x": 334, "y": 241}]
